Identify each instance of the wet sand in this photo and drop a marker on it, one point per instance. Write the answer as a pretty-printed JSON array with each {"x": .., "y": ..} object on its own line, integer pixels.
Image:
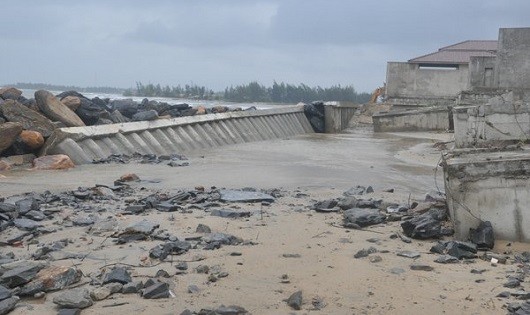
[{"x": 321, "y": 166}]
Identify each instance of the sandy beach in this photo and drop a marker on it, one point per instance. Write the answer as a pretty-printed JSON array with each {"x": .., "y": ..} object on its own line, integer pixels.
[{"x": 288, "y": 247}]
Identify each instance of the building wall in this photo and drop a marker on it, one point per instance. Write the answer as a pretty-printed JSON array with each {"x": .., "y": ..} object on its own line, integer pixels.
[
  {"x": 406, "y": 80},
  {"x": 513, "y": 58},
  {"x": 481, "y": 72}
]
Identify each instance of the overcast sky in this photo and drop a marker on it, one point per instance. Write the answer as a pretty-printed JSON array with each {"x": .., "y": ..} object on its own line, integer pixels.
[{"x": 218, "y": 43}]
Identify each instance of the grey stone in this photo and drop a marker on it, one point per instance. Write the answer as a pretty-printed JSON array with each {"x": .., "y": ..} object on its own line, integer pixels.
[
  {"x": 19, "y": 275},
  {"x": 397, "y": 270},
  {"x": 231, "y": 310},
  {"x": 446, "y": 259},
  {"x": 222, "y": 238},
  {"x": 229, "y": 213},
  {"x": 244, "y": 196},
  {"x": 7, "y": 305},
  {"x": 114, "y": 287},
  {"x": 421, "y": 267},
  {"x": 193, "y": 289},
  {"x": 362, "y": 217},
  {"x": 26, "y": 224},
  {"x": 143, "y": 227},
  {"x": 512, "y": 283},
  {"x": 202, "y": 269},
  {"x": 35, "y": 215},
  {"x": 74, "y": 298},
  {"x": 27, "y": 204},
  {"x": 202, "y": 228},
  {"x": 82, "y": 220},
  {"x": 358, "y": 190},
  {"x": 182, "y": 265},
  {"x": 156, "y": 291},
  {"x": 4, "y": 293},
  {"x": 375, "y": 259},
  {"x": 145, "y": 115},
  {"x": 117, "y": 274},
  {"x": 162, "y": 274},
  {"x": 100, "y": 293},
  {"x": 365, "y": 252},
  {"x": 169, "y": 248},
  {"x": 295, "y": 300},
  {"x": 408, "y": 254},
  {"x": 69, "y": 311},
  {"x": 132, "y": 287}
]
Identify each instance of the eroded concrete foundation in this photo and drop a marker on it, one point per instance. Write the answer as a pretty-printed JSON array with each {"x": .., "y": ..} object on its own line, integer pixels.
[{"x": 490, "y": 186}]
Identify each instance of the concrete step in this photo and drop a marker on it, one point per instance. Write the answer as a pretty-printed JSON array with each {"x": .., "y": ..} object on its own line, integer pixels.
[{"x": 177, "y": 135}]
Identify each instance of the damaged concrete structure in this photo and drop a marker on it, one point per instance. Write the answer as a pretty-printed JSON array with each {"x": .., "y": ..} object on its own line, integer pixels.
[
  {"x": 436, "y": 78},
  {"x": 487, "y": 176}
]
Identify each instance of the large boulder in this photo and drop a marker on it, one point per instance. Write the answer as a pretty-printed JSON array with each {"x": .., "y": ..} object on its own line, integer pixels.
[
  {"x": 31, "y": 120},
  {"x": 32, "y": 139},
  {"x": 10, "y": 93},
  {"x": 422, "y": 226},
  {"x": 55, "y": 110},
  {"x": 127, "y": 107},
  {"x": 9, "y": 132},
  {"x": 89, "y": 111},
  {"x": 74, "y": 298},
  {"x": 53, "y": 162},
  {"x": 72, "y": 102}
]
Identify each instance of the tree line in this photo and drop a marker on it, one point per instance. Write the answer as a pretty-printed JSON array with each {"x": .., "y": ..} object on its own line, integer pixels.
[
  {"x": 58, "y": 87},
  {"x": 254, "y": 92},
  {"x": 188, "y": 91}
]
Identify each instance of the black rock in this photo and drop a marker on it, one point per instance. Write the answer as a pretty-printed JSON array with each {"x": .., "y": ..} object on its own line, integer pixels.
[
  {"x": 512, "y": 283},
  {"x": 74, "y": 298},
  {"x": 26, "y": 224},
  {"x": 69, "y": 311},
  {"x": 8, "y": 304},
  {"x": 365, "y": 252},
  {"x": 19, "y": 276},
  {"x": 132, "y": 287},
  {"x": 295, "y": 300},
  {"x": 117, "y": 274},
  {"x": 127, "y": 107},
  {"x": 231, "y": 310},
  {"x": 158, "y": 290},
  {"x": 89, "y": 112},
  {"x": 182, "y": 266},
  {"x": 35, "y": 215},
  {"x": 4, "y": 293},
  {"x": 482, "y": 236},
  {"x": 27, "y": 204},
  {"x": 422, "y": 227},
  {"x": 325, "y": 205},
  {"x": 117, "y": 117},
  {"x": 202, "y": 228},
  {"x": 446, "y": 259},
  {"x": 358, "y": 190},
  {"x": 362, "y": 217},
  {"x": 162, "y": 273},
  {"x": 170, "y": 248},
  {"x": 229, "y": 213},
  {"x": 438, "y": 248},
  {"x": 225, "y": 239},
  {"x": 461, "y": 250},
  {"x": 146, "y": 115}
]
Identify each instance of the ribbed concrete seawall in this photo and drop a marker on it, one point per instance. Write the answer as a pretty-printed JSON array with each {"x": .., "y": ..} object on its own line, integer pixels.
[{"x": 177, "y": 135}]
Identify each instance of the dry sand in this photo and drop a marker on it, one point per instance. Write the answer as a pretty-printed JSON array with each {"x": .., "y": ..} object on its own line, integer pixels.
[{"x": 321, "y": 166}]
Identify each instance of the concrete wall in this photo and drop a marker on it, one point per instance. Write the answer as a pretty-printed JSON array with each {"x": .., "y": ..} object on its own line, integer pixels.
[
  {"x": 406, "y": 80},
  {"x": 414, "y": 120},
  {"x": 489, "y": 186},
  {"x": 177, "y": 135},
  {"x": 482, "y": 72},
  {"x": 513, "y": 58},
  {"x": 337, "y": 116},
  {"x": 504, "y": 118}
]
